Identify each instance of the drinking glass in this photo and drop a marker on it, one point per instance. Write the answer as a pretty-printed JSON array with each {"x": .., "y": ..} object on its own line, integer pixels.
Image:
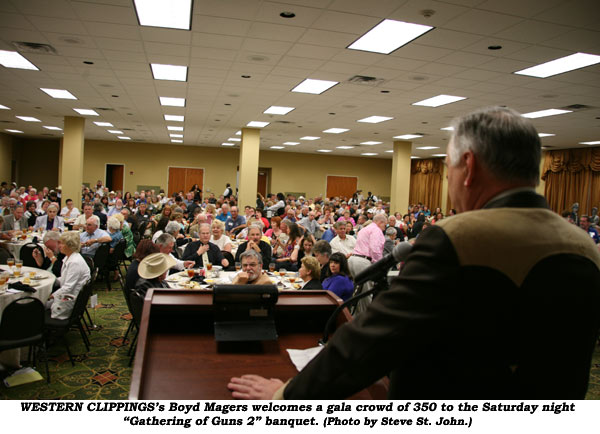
[
  {"x": 272, "y": 267},
  {"x": 190, "y": 272},
  {"x": 238, "y": 266}
]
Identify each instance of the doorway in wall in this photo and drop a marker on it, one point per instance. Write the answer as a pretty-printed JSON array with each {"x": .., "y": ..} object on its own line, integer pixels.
[
  {"x": 114, "y": 177},
  {"x": 182, "y": 179},
  {"x": 341, "y": 186}
]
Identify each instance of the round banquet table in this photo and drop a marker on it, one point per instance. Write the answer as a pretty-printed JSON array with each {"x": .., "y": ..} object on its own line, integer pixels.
[
  {"x": 43, "y": 290},
  {"x": 14, "y": 246}
]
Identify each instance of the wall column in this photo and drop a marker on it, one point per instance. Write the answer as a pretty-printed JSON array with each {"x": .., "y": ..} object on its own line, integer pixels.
[
  {"x": 248, "y": 179},
  {"x": 400, "y": 188},
  {"x": 444, "y": 206},
  {"x": 70, "y": 175}
]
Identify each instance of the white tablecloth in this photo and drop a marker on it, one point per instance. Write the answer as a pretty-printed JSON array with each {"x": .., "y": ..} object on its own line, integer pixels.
[
  {"x": 43, "y": 290},
  {"x": 15, "y": 246}
]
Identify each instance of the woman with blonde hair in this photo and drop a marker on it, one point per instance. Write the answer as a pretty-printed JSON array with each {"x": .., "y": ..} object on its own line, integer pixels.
[
  {"x": 211, "y": 213},
  {"x": 310, "y": 273},
  {"x": 217, "y": 236}
]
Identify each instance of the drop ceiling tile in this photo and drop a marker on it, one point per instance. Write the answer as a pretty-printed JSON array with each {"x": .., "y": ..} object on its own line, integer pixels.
[
  {"x": 232, "y": 8},
  {"x": 277, "y": 32},
  {"x": 482, "y": 22},
  {"x": 292, "y": 72},
  {"x": 56, "y": 8},
  {"x": 299, "y": 62},
  {"x": 305, "y": 16},
  {"x": 312, "y": 51},
  {"x": 173, "y": 49},
  {"x": 519, "y": 7},
  {"x": 112, "y": 30},
  {"x": 265, "y": 46},
  {"x": 217, "y": 41},
  {"x": 505, "y": 65},
  {"x": 105, "y": 13},
  {"x": 213, "y": 53},
  {"x": 462, "y": 58},
  {"x": 576, "y": 13},
  {"x": 533, "y": 31},
  {"x": 377, "y": 8},
  {"x": 120, "y": 44},
  {"x": 440, "y": 69},
  {"x": 421, "y": 52},
  {"x": 401, "y": 63},
  {"x": 126, "y": 56},
  {"x": 410, "y": 11},
  {"x": 327, "y": 38},
  {"x": 451, "y": 39},
  {"x": 587, "y": 41},
  {"x": 343, "y": 22},
  {"x": 57, "y": 25},
  {"x": 156, "y": 34}
]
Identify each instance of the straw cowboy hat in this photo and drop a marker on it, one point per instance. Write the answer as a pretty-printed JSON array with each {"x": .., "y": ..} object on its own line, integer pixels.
[{"x": 155, "y": 265}]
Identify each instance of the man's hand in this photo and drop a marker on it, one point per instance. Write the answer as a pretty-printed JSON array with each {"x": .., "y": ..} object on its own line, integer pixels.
[
  {"x": 188, "y": 264},
  {"x": 242, "y": 278},
  {"x": 202, "y": 250},
  {"x": 253, "y": 387}
]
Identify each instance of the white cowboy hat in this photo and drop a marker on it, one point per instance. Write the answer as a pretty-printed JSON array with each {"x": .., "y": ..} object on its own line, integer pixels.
[{"x": 155, "y": 265}]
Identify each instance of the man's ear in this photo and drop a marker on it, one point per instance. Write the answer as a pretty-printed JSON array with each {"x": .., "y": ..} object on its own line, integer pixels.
[{"x": 470, "y": 168}]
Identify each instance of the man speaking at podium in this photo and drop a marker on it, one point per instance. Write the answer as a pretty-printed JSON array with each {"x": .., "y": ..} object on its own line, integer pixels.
[{"x": 498, "y": 302}]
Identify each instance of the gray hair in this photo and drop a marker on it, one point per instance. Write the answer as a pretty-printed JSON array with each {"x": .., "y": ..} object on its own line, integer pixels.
[
  {"x": 172, "y": 227},
  {"x": 165, "y": 239},
  {"x": 505, "y": 142},
  {"x": 51, "y": 235},
  {"x": 251, "y": 254},
  {"x": 96, "y": 219},
  {"x": 72, "y": 240},
  {"x": 52, "y": 206},
  {"x": 391, "y": 231},
  {"x": 380, "y": 218},
  {"x": 322, "y": 247},
  {"x": 113, "y": 223}
]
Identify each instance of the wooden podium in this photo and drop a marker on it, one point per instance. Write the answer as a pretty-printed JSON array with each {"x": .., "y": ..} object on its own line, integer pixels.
[{"x": 178, "y": 358}]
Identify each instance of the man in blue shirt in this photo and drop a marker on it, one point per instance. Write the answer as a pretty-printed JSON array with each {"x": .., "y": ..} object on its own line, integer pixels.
[
  {"x": 92, "y": 237},
  {"x": 584, "y": 223},
  {"x": 225, "y": 214},
  {"x": 235, "y": 222}
]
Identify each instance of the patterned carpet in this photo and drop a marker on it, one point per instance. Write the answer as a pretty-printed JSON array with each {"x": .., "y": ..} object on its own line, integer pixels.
[{"x": 102, "y": 373}]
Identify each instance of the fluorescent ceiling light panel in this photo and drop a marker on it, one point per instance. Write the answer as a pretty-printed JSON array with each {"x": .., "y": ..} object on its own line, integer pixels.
[
  {"x": 389, "y": 35},
  {"x": 336, "y": 130},
  {"x": 375, "y": 119},
  {"x": 408, "y": 136},
  {"x": 177, "y": 136},
  {"x": 309, "y": 138},
  {"x": 559, "y": 66},
  {"x": 169, "y": 72},
  {"x": 324, "y": 150},
  {"x": 277, "y": 147},
  {"x": 545, "y": 113},
  {"x": 172, "y": 102},
  {"x": 173, "y": 128},
  {"x": 447, "y": 129},
  {"x": 86, "y": 112},
  {"x": 115, "y": 132},
  {"x": 390, "y": 151},
  {"x": 371, "y": 143},
  {"x": 596, "y": 142},
  {"x": 227, "y": 144},
  {"x": 546, "y": 135},
  {"x": 124, "y": 138},
  {"x": 257, "y": 124},
  {"x": 104, "y": 124},
  {"x": 344, "y": 147},
  {"x": 176, "y": 141},
  {"x": 291, "y": 143},
  {"x": 172, "y": 14},
  {"x": 439, "y": 100},
  {"x": 12, "y": 59},
  {"x": 174, "y": 118},
  {"x": 3, "y": 107},
  {"x": 234, "y": 139},
  {"x": 238, "y": 133},
  {"x": 52, "y": 128},
  {"x": 438, "y": 155},
  {"x": 59, "y": 93},
  {"x": 413, "y": 157},
  {"x": 14, "y": 131},
  {"x": 428, "y": 147},
  {"x": 368, "y": 153},
  {"x": 278, "y": 110},
  {"x": 316, "y": 87},
  {"x": 28, "y": 119}
]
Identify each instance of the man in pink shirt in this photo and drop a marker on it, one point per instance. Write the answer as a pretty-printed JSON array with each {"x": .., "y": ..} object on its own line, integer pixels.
[{"x": 368, "y": 249}]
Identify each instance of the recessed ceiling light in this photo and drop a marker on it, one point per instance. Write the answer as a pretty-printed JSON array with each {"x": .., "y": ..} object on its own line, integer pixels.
[
  {"x": 238, "y": 133},
  {"x": 286, "y": 14},
  {"x": 413, "y": 157},
  {"x": 344, "y": 147},
  {"x": 227, "y": 144},
  {"x": 176, "y": 141},
  {"x": 368, "y": 153},
  {"x": 172, "y": 102},
  {"x": 14, "y": 131},
  {"x": 277, "y": 147},
  {"x": 12, "y": 59},
  {"x": 52, "y": 128},
  {"x": 309, "y": 138},
  {"x": 371, "y": 143},
  {"x": 174, "y": 118},
  {"x": 28, "y": 119},
  {"x": 596, "y": 142},
  {"x": 177, "y": 136},
  {"x": 438, "y": 155},
  {"x": 447, "y": 129},
  {"x": 124, "y": 138},
  {"x": 428, "y": 147},
  {"x": 559, "y": 66},
  {"x": 58, "y": 93},
  {"x": 278, "y": 110},
  {"x": 3, "y": 107},
  {"x": 173, "y": 128},
  {"x": 546, "y": 135},
  {"x": 545, "y": 113},
  {"x": 439, "y": 100},
  {"x": 169, "y": 72},
  {"x": 234, "y": 139},
  {"x": 316, "y": 87},
  {"x": 324, "y": 150},
  {"x": 257, "y": 124},
  {"x": 336, "y": 130},
  {"x": 291, "y": 143},
  {"x": 375, "y": 119},
  {"x": 104, "y": 124},
  {"x": 408, "y": 136},
  {"x": 390, "y": 151},
  {"x": 86, "y": 112},
  {"x": 115, "y": 131},
  {"x": 388, "y": 36},
  {"x": 174, "y": 14}
]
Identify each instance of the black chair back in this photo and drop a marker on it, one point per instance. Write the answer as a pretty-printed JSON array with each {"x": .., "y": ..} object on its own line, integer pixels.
[
  {"x": 230, "y": 259},
  {"x": 26, "y": 254},
  {"x": 4, "y": 255},
  {"x": 22, "y": 323},
  {"x": 80, "y": 303},
  {"x": 101, "y": 256},
  {"x": 117, "y": 255}
]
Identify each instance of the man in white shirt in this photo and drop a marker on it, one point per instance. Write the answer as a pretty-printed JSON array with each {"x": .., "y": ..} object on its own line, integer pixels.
[
  {"x": 88, "y": 211},
  {"x": 342, "y": 243},
  {"x": 69, "y": 212}
]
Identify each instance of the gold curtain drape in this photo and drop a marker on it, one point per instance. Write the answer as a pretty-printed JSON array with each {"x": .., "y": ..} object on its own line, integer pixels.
[
  {"x": 426, "y": 182},
  {"x": 572, "y": 175}
]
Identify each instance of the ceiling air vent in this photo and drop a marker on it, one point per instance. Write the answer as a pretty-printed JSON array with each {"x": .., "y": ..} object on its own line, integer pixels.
[
  {"x": 365, "y": 80},
  {"x": 33, "y": 47}
]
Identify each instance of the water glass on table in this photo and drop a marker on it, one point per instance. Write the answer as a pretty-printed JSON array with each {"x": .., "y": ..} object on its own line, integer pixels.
[{"x": 18, "y": 267}]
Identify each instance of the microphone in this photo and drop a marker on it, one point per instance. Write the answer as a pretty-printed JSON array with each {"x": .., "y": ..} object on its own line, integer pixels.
[{"x": 380, "y": 268}]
